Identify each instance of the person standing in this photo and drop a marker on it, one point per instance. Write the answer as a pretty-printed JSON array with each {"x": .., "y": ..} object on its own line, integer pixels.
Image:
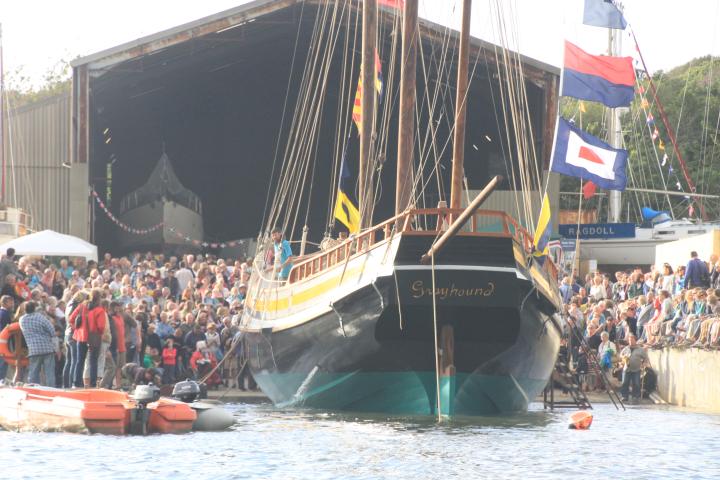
[
  {"x": 169, "y": 360},
  {"x": 283, "y": 254},
  {"x": 7, "y": 304},
  {"x": 70, "y": 344},
  {"x": 606, "y": 351},
  {"x": 184, "y": 277},
  {"x": 39, "y": 334},
  {"x": 99, "y": 338},
  {"x": 635, "y": 358},
  {"x": 696, "y": 273},
  {"x": 118, "y": 339},
  {"x": 7, "y": 265}
]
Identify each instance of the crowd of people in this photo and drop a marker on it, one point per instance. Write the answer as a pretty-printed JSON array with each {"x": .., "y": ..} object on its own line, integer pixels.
[
  {"x": 620, "y": 316},
  {"x": 137, "y": 319}
]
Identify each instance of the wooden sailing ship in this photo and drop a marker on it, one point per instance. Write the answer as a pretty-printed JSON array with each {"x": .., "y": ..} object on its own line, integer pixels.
[{"x": 423, "y": 313}]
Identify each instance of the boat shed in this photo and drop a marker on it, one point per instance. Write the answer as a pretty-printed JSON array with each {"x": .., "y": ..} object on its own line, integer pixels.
[{"x": 212, "y": 94}]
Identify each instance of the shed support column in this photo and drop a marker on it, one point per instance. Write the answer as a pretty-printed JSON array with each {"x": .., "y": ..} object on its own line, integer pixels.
[{"x": 80, "y": 155}]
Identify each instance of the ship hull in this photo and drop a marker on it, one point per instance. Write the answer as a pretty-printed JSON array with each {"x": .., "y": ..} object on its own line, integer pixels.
[
  {"x": 178, "y": 223},
  {"x": 374, "y": 351}
]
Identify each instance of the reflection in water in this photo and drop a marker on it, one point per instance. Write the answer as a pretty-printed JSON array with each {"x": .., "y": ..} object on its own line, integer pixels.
[{"x": 272, "y": 443}]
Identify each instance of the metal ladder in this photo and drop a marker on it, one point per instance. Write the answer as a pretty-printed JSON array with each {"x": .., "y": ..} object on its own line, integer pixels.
[
  {"x": 571, "y": 381},
  {"x": 594, "y": 367}
]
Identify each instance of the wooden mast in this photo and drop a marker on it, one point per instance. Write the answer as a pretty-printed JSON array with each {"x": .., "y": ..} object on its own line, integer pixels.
[
  {"x": 406, "y": 135},
  {"x": 369, "y": 36},
  {"x": 458, "y": 171},
  {"x": 2, "y": 121}
]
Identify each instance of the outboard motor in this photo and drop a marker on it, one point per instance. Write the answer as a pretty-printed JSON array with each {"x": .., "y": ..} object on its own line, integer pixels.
[
  {"x": 210, "y": 416},
  {"x": 187, "y": 391},
  {"x": 140, "y": 416}
]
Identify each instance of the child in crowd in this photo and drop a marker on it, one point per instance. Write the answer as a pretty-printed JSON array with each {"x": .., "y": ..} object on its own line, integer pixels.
[{"x": 169, "y": 360}]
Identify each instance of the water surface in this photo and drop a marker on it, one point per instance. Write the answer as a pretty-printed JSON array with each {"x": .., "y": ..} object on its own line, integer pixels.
[{"x": 643, "y": 442}]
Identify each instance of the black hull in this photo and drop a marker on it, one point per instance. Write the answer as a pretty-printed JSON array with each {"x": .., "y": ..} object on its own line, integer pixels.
[{"x": 371, "y": 355}]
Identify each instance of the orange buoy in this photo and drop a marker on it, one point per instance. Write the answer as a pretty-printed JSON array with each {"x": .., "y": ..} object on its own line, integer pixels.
[
  {"x": 11, "y": 356},
  {"x": 580, "y": 420}
]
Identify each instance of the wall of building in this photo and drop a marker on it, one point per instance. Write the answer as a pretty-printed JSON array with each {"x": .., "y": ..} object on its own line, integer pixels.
[
  {"x": 678, "y": 252},
  {"x": 37, "y": 143},
  {"x": 688, "y": 377}
]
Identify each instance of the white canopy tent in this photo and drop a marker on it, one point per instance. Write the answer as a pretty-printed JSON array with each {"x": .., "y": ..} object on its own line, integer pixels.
[{"x": 48, "y": 243}]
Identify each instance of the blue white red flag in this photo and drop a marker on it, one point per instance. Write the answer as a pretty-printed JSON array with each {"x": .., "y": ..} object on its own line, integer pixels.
[
  {"x": 608, "y": 80},
  {"x": 579, "y": 154},
  {"x": 603, "y": 13}
]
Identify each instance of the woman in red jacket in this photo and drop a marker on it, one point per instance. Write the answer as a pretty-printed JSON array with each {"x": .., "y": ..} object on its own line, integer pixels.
[
  {"x": 81, "y": 318},
  {"x": 97, "y": 323}
]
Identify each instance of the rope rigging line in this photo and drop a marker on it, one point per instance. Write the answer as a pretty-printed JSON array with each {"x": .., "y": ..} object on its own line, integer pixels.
[
  {"x": 295, "y": 166},
  {"x": 285, "y": 102}
]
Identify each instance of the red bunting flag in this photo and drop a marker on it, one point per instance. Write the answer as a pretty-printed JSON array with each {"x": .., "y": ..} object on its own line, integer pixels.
[{"x": 589, "y": 190}]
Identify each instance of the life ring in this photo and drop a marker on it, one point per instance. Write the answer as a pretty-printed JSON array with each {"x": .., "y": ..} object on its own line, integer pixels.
[{"x": 12, "y": 333}]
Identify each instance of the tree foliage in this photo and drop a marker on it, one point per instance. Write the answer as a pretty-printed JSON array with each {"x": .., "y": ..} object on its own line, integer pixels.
[
  {"x": 690, "y": 96},
  {"x": 22, "y": 90}
]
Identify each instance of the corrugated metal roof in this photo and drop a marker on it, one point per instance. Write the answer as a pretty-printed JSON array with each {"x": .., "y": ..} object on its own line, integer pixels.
[{"x": 234, "y": 17}]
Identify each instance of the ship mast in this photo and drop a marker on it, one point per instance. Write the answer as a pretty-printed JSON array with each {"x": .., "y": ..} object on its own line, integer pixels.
[
  {"x": 458, "y": 171},
  {"x": 2, "y": 121},
  {"x": 369, "y": 43},
  {"x": 406, "y": 137},
  {"x": 615, "y": 132}
]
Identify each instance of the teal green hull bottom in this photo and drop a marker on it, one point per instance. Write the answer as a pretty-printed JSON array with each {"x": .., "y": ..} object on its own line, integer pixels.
[{"x": 404, "y": 393}]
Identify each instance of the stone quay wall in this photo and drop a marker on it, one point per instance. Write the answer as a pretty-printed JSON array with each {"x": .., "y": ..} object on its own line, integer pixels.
[{"x": 688, "y": 377}]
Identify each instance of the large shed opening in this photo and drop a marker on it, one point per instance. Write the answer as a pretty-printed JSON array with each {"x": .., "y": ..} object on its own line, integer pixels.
[{"x": 214, "y": 103}]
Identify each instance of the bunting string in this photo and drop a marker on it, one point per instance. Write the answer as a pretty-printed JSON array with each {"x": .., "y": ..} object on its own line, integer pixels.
[
  {"x": 123, "y": 226},
  {"x": 201, "y": 243}
]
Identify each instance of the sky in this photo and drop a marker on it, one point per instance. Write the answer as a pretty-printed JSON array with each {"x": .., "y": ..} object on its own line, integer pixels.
[{"x": 38, "y": 34}]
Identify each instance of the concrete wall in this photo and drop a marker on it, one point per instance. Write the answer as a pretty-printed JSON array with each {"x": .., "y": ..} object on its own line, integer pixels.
[
  {"x": 677, "y": 252},
  {"x": 688, "y": 377}
]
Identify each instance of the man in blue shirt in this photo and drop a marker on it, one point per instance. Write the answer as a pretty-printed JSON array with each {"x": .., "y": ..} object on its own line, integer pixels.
[
  {"x": 283, "y": 252},
  {"x": 7, "y": 303}
]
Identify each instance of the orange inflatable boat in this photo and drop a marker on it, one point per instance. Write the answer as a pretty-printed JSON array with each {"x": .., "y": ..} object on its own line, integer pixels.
[{"x": 88, "y": 410}]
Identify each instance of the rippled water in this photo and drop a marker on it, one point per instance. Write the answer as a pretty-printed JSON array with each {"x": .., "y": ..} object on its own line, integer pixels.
[{"x": 644, "y": 442}]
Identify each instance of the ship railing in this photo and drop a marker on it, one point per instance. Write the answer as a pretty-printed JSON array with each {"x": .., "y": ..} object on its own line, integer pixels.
[{"x": 424, "y": 221}]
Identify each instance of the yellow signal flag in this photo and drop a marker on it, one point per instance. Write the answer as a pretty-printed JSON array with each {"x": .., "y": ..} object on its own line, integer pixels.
[
  {"x": 347, "y": 212},
  {"x": 543, "y": 229}
]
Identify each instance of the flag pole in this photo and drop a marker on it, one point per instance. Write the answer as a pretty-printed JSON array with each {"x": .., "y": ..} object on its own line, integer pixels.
[
  {"x": 615, "y": 196},
  {"x": 406, "y": 134},
  {"x": 2, "y": 120},
  {"x": 461, "y": 94}
]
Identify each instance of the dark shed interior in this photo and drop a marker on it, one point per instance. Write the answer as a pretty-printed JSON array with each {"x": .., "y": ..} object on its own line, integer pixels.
[{"x": 214, "y": 104}]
